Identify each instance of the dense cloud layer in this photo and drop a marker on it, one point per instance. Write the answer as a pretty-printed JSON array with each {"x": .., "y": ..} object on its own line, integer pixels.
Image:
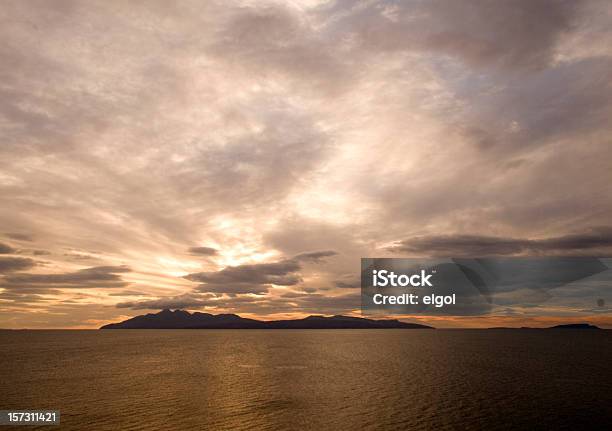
[
  {"x": 101, "y": 276},
  {"x": 596, "y": 242},
  {"x": 22, "y": 289},
  {"x": 203, "y": 251},
  {"x": 256, "y": 278},
  {"x": 5, "y": 249},
  {"x": 10, "y": 264},
  {"x": 202, "y": 144}
]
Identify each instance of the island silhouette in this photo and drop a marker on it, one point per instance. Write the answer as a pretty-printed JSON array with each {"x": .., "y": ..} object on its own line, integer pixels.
[{"x": 181, "y": 319}]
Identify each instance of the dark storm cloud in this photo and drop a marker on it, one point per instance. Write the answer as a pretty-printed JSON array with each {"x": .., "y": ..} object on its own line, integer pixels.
[
  {"x": 596, "y": 238},
  {"x": 233, "y": 288},
  {"x": 204, "y": 251},
  {"x": 95, "y": 277},
  {"x": 451, "y": 245},
  {"x": 316, "y": 256},
  {"x": 293, "y": 294},
  {"x": 6, "y": 249},
  {"x": 10, "y": 264},
  {"x": 258, "y": 277},
  {"x": 599, "y": 239},
  {"x": 281, "y": 273}
]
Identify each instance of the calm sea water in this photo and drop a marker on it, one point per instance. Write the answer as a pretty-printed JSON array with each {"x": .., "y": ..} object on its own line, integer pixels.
[{"x": 328, "y": 379}]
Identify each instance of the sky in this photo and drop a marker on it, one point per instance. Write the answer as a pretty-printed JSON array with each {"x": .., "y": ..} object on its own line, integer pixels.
[{"x": 241, "y": 157}]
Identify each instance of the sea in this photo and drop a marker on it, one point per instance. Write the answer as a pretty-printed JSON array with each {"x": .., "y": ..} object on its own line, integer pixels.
[{"x": 391, "y": 379}]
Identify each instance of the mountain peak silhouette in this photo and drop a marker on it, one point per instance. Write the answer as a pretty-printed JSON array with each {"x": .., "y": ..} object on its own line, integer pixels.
[{"x": 181, "y": 319}]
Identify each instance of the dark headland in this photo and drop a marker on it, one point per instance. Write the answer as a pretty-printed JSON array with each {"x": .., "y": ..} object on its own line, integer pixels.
[
  {"x": 575, "y": 326},
  {"x": 180, "y": 319}
]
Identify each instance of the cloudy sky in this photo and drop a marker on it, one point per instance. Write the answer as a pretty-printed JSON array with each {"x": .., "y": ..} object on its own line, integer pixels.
[{"x": 242, "y": 156}]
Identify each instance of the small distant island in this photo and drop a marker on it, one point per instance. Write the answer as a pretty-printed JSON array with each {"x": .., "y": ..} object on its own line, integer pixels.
[
  {"x": 180, "y": 319},
  {"x": 575, "y": 326},
  {"x": 566, "y": 326}
]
